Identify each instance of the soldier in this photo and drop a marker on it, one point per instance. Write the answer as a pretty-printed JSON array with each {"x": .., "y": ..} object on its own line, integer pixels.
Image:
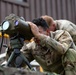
[
  {"x": 61, "y": 25},
  {"x": 50, "y": 49}
]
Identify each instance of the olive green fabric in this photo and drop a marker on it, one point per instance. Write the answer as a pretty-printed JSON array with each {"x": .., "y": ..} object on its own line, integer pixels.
[
  {"x": 11, "y": 17},
  {"x": 69, "y": 62}
]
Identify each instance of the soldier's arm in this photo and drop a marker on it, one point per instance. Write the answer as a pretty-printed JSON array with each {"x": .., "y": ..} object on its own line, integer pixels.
[{"x": 60, "y": 44}]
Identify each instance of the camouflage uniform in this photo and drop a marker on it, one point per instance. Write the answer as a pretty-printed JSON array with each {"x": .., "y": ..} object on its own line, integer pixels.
[
  {"x": 68, "y": 26},
  {"x": 48, "y": 53}
]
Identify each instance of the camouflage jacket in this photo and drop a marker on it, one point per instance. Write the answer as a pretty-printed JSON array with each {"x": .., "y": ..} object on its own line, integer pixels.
[
  {"x": 68, "y": 26},
  {"x": 49, "y": 51}
]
